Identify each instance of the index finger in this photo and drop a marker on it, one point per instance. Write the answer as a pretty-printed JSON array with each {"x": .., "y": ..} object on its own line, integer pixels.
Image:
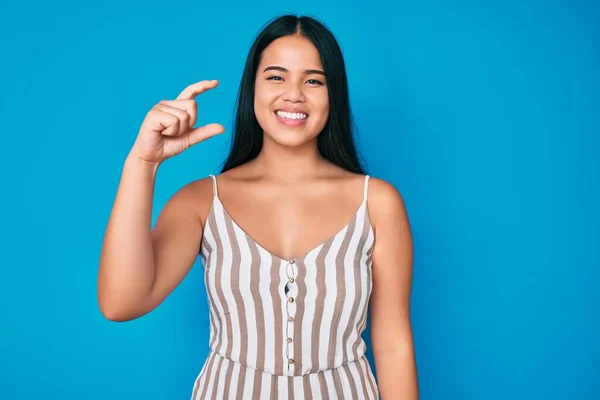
[{"x": 196, "y": 88}]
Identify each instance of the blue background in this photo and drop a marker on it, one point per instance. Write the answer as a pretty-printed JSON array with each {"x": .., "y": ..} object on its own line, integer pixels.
[{"x": 486, "y": 118}]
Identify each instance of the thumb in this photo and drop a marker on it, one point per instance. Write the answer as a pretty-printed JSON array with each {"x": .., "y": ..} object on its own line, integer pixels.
[{"x": 197, "y": 135}]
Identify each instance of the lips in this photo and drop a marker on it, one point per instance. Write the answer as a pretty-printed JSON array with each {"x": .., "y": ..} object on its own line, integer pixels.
[
  {"x": 294, "y": 115},
  {"x": 291, "y": 119}
]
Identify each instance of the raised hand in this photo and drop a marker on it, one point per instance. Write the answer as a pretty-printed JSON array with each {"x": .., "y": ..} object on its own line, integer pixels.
[{"x": 168, "y": 128}]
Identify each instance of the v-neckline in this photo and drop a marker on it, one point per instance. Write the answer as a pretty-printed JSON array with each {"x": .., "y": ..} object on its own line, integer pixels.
[{"x": 277, "y": 257}]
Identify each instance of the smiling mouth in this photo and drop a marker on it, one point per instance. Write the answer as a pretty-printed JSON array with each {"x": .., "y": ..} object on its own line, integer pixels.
[{"x": 291, "y": 115}]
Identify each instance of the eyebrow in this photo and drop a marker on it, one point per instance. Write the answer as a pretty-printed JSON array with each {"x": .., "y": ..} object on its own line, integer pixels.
[{"x": 306, "y": 72}]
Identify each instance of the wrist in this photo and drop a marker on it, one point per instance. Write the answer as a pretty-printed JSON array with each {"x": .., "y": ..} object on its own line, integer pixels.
[{"x": 136, "y": 162}]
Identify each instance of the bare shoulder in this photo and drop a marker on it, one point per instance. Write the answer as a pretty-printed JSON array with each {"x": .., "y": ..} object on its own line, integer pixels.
[
  {"x": 386, "y": 203},
  {"x": 194, "y": 198}
]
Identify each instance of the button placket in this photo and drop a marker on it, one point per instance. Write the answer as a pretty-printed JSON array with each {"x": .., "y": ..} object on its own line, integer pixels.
[{"x": 291, "y": 291}]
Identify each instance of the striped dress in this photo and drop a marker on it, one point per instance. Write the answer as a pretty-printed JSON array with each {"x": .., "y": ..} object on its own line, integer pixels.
[{"x": 286, "y": 329}]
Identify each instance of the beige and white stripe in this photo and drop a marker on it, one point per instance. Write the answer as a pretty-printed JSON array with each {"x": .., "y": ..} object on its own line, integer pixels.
[{"x": 286, "y": 329}]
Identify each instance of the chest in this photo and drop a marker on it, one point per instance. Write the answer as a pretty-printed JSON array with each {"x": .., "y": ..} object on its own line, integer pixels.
[{"x": 292, "y": 228}]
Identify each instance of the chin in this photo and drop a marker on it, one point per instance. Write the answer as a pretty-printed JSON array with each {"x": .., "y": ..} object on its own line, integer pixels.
[{"x": 290, "y": 138}]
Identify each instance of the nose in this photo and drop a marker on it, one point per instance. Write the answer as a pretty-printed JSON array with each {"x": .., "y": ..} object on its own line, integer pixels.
[{"x": 292, "y": 91}]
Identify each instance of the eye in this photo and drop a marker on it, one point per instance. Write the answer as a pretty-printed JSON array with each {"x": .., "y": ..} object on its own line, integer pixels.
[
  {"x": 315, "y": 82},
  {"x": 274, "y": 78}
]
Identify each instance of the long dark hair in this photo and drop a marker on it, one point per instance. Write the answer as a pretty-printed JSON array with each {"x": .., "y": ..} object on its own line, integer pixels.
[{"x": 336, "y": 141}]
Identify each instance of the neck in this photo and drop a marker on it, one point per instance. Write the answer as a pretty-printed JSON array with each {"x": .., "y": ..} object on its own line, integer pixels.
[{"x": 283, "y": 163}]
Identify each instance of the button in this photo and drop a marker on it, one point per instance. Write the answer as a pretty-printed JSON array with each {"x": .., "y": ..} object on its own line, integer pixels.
[
  {"x": 290, "y": 319},
  {"x": 290, "y": 299},
  {"x": 291, "y": 280},
  {"x": 289, "y": 340},
  {"x": 291, "y": 360}
]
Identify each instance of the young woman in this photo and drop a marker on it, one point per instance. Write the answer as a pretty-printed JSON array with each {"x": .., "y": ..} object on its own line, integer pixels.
[{"x": 296, "y": 242}]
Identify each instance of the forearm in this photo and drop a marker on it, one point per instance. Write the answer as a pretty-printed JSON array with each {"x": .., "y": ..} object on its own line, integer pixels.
[
  {"x": 397, "y": 375},
  {"x": 127, "y": 262}
]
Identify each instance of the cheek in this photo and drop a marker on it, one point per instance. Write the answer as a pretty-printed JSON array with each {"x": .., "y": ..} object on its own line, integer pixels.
[
  {"x": 262, "y": 108},
  {"x": 262, "y": 100},
  {"x": 321, "y": 98},
  {"x": 322, "y": 104}
]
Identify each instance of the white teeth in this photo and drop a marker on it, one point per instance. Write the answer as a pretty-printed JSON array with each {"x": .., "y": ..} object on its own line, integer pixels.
[{"x": 289, "y": 115}]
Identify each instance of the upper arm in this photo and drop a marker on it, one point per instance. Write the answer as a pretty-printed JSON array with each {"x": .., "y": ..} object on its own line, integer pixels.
[
  {"x": 176, "y": 237},
  {"x": 392, "y": 269}
]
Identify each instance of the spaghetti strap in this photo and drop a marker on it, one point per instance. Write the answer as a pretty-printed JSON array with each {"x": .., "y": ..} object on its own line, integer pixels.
[
  {"x": 366, "y": 187},
  {"x": 214, "y": 178}
]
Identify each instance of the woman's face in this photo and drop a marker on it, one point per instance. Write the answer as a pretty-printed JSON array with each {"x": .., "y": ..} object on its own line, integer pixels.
[{"x": 291, "y": 101}]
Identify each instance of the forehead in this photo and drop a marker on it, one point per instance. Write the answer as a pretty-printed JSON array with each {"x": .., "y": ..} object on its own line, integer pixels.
[{"x": 292, "y": 52}]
